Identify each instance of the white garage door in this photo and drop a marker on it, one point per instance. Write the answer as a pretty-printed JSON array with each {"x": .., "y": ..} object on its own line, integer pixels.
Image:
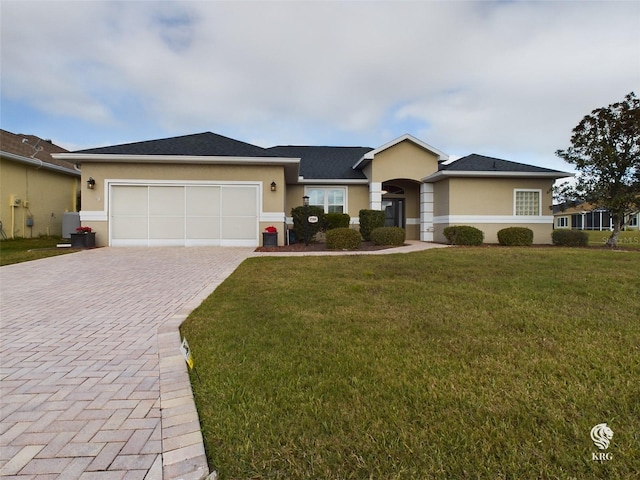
[{"x": 168, "y": 215}]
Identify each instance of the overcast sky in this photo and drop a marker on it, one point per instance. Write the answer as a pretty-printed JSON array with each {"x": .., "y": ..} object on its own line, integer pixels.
[{"x": 508, "y": 79}]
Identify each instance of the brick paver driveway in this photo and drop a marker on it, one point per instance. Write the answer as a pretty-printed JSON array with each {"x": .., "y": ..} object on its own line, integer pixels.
[{"x": 92, "y": 382}]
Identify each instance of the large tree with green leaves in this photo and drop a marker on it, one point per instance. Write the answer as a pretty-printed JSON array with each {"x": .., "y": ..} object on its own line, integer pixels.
[{"x": 605, "y": 149}]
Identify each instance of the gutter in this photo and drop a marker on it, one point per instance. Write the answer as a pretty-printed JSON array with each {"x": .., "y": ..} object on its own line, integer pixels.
[{"x": 40, "y": 164}]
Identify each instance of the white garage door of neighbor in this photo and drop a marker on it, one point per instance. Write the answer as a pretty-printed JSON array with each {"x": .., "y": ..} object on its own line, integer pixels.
[{"x": 184, "y": 215}]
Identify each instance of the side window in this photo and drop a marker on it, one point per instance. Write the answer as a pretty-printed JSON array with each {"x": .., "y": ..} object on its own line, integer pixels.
[{"x": 527, "y": 202}]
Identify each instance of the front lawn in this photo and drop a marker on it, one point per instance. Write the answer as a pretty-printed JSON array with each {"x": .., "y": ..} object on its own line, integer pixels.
[
  {"x": 16, "y": 250},
  {"x": 451, "y": 363},
  {"x": 626, "y": 240}
]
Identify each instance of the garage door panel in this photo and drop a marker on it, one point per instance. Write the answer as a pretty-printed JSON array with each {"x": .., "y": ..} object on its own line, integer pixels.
[
  {"x": 129, "y": 201},
  {"x": 134, "y": 227},
  {"x": 166, "y": 227},
  {"x": 203, "y": 201},
  {"x": 238, "y": 228},
  {"x": 166, "y": 201},
  {"x": 203, "y": 228},
  {"x": 239, "y": 201}
]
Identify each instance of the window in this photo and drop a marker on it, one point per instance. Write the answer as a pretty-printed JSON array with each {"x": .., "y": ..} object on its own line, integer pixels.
[
  {"x": 633, "y": 222},
  {"x": 332, "y": 200},
  {"x": 527, "y": 202},
  {"x": 563, "y": 222}
]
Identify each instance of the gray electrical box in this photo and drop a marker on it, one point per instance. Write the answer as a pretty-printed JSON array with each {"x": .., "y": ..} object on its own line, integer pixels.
[{"x": 70, "y": 221}]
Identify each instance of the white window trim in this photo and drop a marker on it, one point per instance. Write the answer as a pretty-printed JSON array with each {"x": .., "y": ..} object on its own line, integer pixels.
[
  {"x": 515, "y": 194},
  {"x": 331, "y": 187},
  {"x": 565, "y": 220}
]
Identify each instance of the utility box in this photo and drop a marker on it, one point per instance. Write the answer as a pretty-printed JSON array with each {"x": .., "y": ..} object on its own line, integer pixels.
[{"x": 70, "y": 221}]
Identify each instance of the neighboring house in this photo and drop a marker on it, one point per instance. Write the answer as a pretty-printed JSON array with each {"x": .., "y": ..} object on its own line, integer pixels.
[
  {"x": 585, "y": 216},
  {"x": 35, "y": 188},
  {"x": 206, "y": 189}
]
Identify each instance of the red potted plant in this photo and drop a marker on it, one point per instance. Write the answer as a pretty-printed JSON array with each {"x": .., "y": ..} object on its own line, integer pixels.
[
  {"x": 83, "y": 238},
  {"x": 270, "y": 237}
]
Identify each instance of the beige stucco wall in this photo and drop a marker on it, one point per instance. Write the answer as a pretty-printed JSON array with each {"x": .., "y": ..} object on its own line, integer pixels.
[
  {"x": 493, "y": 196},
  {"x": 490, "y": 197},
  {"x": 96, "y": 200},
  {"x": 48, "y": 194},
  {"x": 403, "y": 160}
]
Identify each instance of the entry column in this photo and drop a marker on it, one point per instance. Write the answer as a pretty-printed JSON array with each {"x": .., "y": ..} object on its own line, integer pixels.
[{"x": 426, "y": 212}]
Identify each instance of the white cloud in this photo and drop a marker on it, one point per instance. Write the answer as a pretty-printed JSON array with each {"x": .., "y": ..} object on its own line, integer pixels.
[{"x": 508, "y": 78}]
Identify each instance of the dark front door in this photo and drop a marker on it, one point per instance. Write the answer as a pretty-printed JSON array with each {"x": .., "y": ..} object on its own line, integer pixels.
[{"x": 393, "y": 212}]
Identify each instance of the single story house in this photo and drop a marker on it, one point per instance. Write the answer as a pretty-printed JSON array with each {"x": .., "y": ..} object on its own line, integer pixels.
[
  {"x": 207, "y": 189},
  {"x": 586, "y": 216},
  {"x": 36, "y": 190}
]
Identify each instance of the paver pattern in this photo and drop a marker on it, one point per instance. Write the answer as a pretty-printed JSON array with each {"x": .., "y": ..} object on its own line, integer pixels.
[{"x": 92, "y": 383}]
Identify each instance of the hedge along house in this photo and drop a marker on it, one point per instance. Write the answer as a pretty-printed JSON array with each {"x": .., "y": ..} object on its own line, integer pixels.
[{"x": 206, "y": 189}]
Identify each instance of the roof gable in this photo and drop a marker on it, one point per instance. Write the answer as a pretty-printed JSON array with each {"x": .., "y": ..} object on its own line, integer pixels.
[
  {"x": 366, "y": 159},
  {"x": 199, "y": 144}
]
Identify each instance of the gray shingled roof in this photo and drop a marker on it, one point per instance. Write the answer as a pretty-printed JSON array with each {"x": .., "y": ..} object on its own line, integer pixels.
[
  {"x": 480, "y": 163},
  {"x": 325, "y": 162},
  {"x": 199, "y": 144}
]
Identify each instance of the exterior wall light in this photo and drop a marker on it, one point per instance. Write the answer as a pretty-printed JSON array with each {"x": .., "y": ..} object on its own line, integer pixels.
[
  {"x": 273, "y": 186},
  {"x": 91, "y": 183}
]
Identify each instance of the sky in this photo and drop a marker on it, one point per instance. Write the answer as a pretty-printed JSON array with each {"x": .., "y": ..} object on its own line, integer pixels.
[{"x": 508, "y": 79}]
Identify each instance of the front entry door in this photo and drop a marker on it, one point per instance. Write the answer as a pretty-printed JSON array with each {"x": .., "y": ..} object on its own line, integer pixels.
[{"x": 393, "y": 212}]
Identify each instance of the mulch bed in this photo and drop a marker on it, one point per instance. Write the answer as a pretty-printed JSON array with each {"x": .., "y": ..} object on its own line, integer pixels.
[{"x": 318, "y": 247}]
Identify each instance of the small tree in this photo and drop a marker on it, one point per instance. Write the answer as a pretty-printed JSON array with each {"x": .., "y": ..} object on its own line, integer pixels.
[{"x": 605, "y": 149}]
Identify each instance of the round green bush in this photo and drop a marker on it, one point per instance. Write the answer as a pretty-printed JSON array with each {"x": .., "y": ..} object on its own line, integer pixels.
[
  {"x": 515, "y": 236},
  {"x": 463, "y": 235},
  {"x": 388, "y": 236},
  {"x": 343, "y": 239},
  {"x": 336, "y": 220},
  {"x": 570, "y": 238}
]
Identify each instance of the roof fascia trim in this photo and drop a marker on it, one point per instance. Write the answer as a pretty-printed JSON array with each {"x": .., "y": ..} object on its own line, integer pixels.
[
  {"x": 203, "y": 159},
  {"x": 369, "y": 155},
  {"x": 333, "y": 181},
  {"x": 40, "y": 163}
]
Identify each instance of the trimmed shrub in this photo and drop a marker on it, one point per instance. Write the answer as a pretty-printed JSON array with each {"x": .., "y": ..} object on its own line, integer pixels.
[
  {"x": 343, "y": 239},
  {"x": 369, "y": 220},
  {"x": 570, "y": 238},
  {"x": 298, "y": 214},
  {"x": 463, "y": 235},
  {"x": 388, "y": 236},
  {"x": 515, "y": 236},
  {"x": 336, "y": 220}
]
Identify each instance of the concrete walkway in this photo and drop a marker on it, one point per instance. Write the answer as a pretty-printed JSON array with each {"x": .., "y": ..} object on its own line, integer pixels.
[{"x": 92, "y": 382}]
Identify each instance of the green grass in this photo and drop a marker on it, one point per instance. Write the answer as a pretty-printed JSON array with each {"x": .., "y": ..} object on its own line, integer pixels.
[
  {"x": 627, "y": 240},
  {"x": 18, "y": 250},
  {"x": 452, "y": 363}
]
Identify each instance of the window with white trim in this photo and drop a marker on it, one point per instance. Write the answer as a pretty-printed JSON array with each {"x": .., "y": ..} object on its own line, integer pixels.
[
  {"x": 332, "y": 200},
  {"x": 563, "y": 222},
  {"x": 527, "y": 202}
]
